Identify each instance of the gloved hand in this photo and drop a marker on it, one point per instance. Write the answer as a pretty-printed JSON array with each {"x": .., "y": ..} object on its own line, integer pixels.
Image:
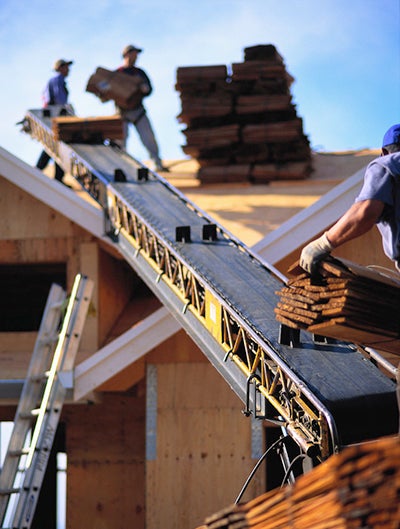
[
  {"x": 144, "y": 88},
  {"x": 314, "y": 252}
]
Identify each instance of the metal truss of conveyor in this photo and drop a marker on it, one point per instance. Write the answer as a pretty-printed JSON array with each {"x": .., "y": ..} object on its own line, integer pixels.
[{"x": 326, "y": 394}]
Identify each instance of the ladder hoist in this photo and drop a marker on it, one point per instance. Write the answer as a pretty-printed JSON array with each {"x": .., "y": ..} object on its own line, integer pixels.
[{"x": 325, "y": 393}]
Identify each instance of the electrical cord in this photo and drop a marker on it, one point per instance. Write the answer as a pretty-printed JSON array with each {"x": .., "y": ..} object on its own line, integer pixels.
[
  {"x": 278, "y": 441},
  {"x": 288, "y": 471}
]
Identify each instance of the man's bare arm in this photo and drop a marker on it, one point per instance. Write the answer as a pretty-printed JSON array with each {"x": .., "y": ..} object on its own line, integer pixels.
[{"x": 359, "y": 219}]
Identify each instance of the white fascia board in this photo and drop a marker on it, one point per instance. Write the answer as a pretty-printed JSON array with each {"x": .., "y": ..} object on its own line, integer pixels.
[
  {"x": 309, "y": 222},
  {"x": 123, "y": 351},
  {"x": 53, "y": 194}
]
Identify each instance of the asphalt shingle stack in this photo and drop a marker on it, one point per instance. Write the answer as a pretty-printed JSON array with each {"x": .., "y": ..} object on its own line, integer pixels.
[
  {"x": 345, "y": 301},
  {"x": 241, "y": 122},
  {"x": 72, "y": 129}
]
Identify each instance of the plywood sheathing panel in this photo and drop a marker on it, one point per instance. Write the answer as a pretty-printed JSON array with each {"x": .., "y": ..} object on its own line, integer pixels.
[
  {"x": 179, "y": 348},
  {"x": 15, "y": 353},
  {"x": 106, "y": 462},
  {"x": 202, "y": 439}
]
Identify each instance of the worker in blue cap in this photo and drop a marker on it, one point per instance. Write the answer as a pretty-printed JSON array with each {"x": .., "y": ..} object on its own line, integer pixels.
[
  {"x": 55, "y": 95},
  {"x": 377, "y": 203}
]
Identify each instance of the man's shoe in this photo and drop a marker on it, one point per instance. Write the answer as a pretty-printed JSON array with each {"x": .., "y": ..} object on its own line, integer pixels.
[{"x": 162, "y": 169}]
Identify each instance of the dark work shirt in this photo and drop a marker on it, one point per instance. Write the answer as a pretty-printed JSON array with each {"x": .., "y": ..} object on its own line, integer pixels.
[{"x": 133, "y": 70}]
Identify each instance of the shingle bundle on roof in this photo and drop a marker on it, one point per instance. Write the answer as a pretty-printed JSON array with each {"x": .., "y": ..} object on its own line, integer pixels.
[
  {"x": 346, "y": 301},
  {"x": 243, "y": 117},
  {"x": 356, "y": 489},
  {"x": 72, "y": 129}
]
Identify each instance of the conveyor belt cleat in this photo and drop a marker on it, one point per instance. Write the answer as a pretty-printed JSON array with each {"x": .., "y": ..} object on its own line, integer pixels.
[
  {"x": 210, "y": 232},
  {"x": 182, "y": 233},
  {"x": 288, "y": 335},
  {"x": 119, "y": 175}
]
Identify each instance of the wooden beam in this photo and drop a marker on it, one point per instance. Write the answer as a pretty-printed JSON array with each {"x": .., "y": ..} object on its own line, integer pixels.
[{"x": 123, "y": 352}]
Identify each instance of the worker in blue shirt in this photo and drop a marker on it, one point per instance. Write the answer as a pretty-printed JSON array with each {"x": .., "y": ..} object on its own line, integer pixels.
[
  {"x": 377, "y": 203},
  {"x": 56, "y": 93},
  {"x": 137, "y": 116}
]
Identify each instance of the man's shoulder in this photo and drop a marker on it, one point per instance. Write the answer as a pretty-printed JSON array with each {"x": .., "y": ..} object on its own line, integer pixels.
[
  {"x": 390, "y": 162},
  {"x": 132, "y": 70},
  {"x": 55, "y": 78}
]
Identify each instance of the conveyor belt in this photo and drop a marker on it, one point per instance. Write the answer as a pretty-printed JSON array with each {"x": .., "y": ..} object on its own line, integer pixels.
[
  {"x": 328, "y": 394},
  {"x": 336, "y": 373}
]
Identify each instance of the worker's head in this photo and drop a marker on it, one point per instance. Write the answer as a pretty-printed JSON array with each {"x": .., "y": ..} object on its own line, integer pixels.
[
  {"x": 130, "y": 53},
  {"x": 62, "y": 66},
  {"x": 391, "y": 140}
]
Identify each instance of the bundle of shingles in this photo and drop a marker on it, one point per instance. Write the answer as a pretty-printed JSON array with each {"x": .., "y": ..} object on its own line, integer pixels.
[
  {"x": 242, "y": 123},
  {"x": 356, "y": 489},
  {"x": 122, "y": 88},
  {"x": 72, "y": 129},
  {"x": 345, "y": 301}
]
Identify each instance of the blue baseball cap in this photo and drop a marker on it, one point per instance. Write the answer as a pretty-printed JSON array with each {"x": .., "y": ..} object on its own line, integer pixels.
[{"x": 392, "y": 136}]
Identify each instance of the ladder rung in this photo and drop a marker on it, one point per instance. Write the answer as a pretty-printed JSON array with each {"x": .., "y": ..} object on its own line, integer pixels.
[
  {"x": 36, "y": 412},
  {"x": 18, "y": 453},
  {"x": 41, "y": 377},
  {"x": 7, "y": 492},
  {"x": 57, "y": 304},
  {"x": 29, "y": 415},
  {"x": 48, "y": 340}
]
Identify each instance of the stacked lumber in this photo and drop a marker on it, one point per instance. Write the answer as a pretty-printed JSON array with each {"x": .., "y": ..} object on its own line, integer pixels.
[
  {"x": 243, "y": 116},
  {"x": 356, "y": 489},
  {"x": 71, "y": 129},
  {"x": 345, "y": 301},
  {"x": 122, "y": 88}
]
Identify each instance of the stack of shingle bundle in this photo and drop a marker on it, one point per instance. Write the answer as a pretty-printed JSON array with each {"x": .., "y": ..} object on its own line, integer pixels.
[
  {"x": 242, "y": 121},
  {"x": 71, "y": 129},
  {"x": 347, "y": 302},
  {"x": 203, "y": 93},
  {"x": 357, "y": 489}
]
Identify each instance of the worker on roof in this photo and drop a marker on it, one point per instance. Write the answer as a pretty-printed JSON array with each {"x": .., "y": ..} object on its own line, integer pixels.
[
  {"x": 54, "y": 94},
  {"x": 377, "y": 203},
  {"x": 138, "y": 116}
]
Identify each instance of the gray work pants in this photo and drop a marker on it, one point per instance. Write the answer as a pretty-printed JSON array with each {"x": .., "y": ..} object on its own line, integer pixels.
[{"x": 139, "y": 119}]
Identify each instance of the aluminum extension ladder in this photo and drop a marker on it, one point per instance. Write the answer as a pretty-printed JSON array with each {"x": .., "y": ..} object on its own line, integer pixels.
[{"x": 41, "y": 402}]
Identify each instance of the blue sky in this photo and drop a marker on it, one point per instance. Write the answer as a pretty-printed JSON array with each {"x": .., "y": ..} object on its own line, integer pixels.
[{"x": 343, "y": 54}]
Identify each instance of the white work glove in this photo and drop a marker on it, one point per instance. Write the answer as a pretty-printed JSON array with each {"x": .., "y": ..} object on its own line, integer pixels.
[{"x": 314, "y": 252}]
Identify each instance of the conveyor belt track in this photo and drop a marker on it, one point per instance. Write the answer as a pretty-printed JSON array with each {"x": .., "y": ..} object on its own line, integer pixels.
[{"x": 327, "y": 394}]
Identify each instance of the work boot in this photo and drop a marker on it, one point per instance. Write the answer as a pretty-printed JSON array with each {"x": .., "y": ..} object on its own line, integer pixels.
[
  {"x": 59, "y": 173},
  {"x": 44, "y": 159},
  {"x": 160, "y": 168}
]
